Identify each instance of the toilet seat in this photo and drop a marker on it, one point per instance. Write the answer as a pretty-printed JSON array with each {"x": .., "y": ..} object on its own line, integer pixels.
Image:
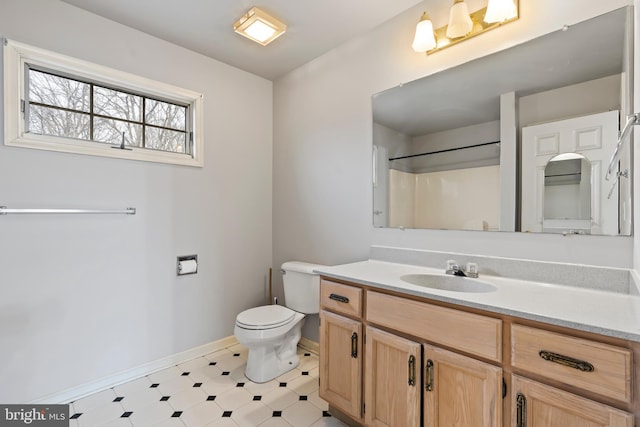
[{"x": 265, "y": 317}]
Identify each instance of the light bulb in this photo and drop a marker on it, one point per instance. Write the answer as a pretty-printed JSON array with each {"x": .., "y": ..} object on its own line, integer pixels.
[
  {"x": 460, "y": 23},
  {"x": 424, "y": 39},
  {"x": 500, "y": 10}
]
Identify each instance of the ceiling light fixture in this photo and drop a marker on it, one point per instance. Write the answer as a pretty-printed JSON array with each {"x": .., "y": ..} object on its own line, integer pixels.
[
  {"x": 259, "y": 26},
  {"x": 463, "y": 25}
]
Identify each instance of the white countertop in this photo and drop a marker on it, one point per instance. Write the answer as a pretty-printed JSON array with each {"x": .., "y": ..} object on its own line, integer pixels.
[{"x": 607, "y": 313}]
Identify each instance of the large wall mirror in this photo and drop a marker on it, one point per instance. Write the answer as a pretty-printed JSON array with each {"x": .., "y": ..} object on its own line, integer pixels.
[{"x": 482, "y": 146}]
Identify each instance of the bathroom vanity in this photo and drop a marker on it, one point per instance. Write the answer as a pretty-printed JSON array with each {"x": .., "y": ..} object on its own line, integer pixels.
[{"x": 513, "y": 352}]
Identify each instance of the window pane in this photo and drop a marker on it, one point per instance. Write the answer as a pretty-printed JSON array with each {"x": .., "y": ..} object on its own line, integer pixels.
[
  {"x": 166, "y": 140},
  {"x": 113, "y": 103},
  {"x": 52, "y": 121},
  {"x": 58, "y": 91},
  {"x": 107, "y": 130},
  {"x": 167, "y": 115}
]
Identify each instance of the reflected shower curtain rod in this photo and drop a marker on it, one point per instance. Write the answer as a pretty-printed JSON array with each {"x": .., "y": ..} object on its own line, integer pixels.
[
  {"x": 129, "y": 211},
  {"x": 444, "y": 151}
]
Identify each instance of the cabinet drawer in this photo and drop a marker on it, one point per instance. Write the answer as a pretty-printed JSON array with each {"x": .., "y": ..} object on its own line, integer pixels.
[
  {"x": 467, "y": 332},
  {"x": 340, "y": 298},
  {"x": 589, "y": 365}
]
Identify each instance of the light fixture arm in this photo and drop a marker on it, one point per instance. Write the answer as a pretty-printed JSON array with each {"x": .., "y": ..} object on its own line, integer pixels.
[{"x": 633, "y": 119}]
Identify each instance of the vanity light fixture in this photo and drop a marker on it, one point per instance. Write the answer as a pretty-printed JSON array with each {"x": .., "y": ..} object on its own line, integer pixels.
[
  {"x": 462, "y": 24},
  {"x": 259, "y": 26},
  {"x": 425, "y": 39},
  {"x": 500, "y": 10}
]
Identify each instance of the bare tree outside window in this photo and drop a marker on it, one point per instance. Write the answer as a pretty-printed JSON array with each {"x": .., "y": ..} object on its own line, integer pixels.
[
  {"x": 58, "y": 106},
  {"x": 170, "y": 119},
  {"x": 66, "y": 107}
]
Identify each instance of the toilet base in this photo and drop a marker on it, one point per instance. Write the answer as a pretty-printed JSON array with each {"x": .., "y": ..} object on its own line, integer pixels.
[
  {"x": 266, "y": 365},
  {"x": 266, "y": 362}
]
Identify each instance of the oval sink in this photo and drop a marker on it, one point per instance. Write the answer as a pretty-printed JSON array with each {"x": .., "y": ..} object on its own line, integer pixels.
[{"x": 449, "y": 283}]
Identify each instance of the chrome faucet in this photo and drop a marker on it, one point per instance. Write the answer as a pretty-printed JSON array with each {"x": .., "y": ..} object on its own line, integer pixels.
[{"x": 470, "y": 270}]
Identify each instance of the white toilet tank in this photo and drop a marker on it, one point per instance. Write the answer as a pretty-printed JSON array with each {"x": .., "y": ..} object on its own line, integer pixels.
[{"x": 301, "y": 286}]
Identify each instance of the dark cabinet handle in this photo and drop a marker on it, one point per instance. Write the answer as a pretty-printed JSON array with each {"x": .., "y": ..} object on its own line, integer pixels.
[
  {"x": 521, "y": 410},
  {"x": 412, "y": 370},
  {"x": 580, "y": 365},
  {"x": 428, "y": 383},
  {"x": 354, "y": 345},
  {"x": 339, "y": 298}
]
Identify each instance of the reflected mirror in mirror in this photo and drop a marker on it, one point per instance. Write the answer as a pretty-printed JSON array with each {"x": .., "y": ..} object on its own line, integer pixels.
[
  {"x": 446, "y": 146},
  {"x": 567, "y": 195}
]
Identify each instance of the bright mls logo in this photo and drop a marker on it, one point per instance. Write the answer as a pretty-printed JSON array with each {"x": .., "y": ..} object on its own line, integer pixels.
[{"x": 34, "y": 415}]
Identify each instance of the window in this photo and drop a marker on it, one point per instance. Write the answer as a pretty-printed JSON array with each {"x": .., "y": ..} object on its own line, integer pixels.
[{"x": 57, "y": 103}]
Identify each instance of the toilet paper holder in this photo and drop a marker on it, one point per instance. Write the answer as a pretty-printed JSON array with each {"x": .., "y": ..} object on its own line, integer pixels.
[{"x": 187, "y": 264}]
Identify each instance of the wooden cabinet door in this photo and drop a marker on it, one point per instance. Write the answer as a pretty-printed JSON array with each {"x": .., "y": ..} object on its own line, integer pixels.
[
  {"x": 392, "y": 380},
  {"x": 341, "y": 363},
  {"x": 460, "y": 391},
  {"x": 538, "y": 405}
]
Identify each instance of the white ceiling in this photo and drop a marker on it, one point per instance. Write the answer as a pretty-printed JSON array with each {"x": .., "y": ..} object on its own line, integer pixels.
[{"x": 206, "y": 26}]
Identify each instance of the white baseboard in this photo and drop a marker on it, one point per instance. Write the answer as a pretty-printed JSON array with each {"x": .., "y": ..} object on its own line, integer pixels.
[{"x": 75, "y": 393}]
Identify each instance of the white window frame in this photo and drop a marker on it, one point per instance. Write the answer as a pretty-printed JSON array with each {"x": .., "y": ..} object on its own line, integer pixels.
[{"x": 18, "y": 56}]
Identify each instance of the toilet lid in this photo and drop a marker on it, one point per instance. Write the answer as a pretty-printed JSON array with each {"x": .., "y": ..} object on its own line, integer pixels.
[{"x": 265, "y": 317}]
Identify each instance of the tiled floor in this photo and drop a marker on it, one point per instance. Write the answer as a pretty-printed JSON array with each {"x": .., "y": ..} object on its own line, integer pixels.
[{"x": 210, "y": 391}]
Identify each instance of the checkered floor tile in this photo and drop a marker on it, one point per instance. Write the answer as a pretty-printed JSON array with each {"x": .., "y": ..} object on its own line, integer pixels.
[{"x": 210, "y": 391}]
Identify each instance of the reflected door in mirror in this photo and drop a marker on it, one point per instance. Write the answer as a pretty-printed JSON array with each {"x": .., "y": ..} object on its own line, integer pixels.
[{"x": 563, "y": 169}]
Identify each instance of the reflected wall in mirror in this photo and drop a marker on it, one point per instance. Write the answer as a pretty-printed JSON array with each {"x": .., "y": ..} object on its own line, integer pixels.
[{"x": 449, "y": 148}]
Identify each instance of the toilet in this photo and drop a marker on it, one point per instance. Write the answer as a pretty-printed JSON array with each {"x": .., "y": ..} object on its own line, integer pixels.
[{"x": 271, "y": 332}]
